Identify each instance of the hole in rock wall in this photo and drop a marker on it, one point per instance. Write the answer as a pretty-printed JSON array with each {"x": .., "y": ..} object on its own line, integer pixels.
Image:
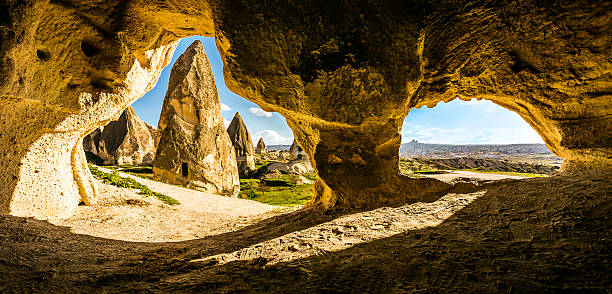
[
  {"x": 89, "y": 48},
  {"x": 475, "y": 138},
  {"x": 261, "y": 145},
  {"x": 185, "y": 169},
  {"x": 43, "y": 54}
]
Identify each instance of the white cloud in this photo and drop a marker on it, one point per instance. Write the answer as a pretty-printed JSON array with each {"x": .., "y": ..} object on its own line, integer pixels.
[
  {"x": 226, "y": 122},
  {"x": 259, "y": 112},
  {"x": 271, "y": 137},
  {"x": 225, "y": 107},
  {"x": 426, "y": 134}
]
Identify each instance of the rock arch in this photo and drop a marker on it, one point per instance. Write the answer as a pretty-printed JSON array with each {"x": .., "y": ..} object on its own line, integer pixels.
[{"x": 344, "y": 74}]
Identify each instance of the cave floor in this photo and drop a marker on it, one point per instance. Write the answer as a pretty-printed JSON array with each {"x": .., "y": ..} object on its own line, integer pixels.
[{"x": 529, "y": 235}]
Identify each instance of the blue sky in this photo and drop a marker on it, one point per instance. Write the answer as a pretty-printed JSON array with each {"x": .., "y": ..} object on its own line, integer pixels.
[{"x": 456, "y": 122}]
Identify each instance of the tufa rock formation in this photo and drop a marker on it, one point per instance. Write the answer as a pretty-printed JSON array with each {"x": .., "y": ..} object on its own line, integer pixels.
[
  {"x": 343, "y": 73},
  {"x": 194, "y": 149},
  {"x": 91, "y": 142},
  {"x": 242, "y": 144},
  {"x": 261, "y": 146},
  {"x": 295, "y": 150},
  {"x": 127, "y": 140}
]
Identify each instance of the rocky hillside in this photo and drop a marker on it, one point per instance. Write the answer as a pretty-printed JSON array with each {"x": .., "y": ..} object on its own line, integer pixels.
[{"x": 478, "y": 163}]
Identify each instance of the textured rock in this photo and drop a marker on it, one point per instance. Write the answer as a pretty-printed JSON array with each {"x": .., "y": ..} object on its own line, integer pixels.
[
  {"x": 343, "y": 73},
  {"x": 127, "y": 140},
  {"x": 243, "y": 145},
  {"x": 194, "y": 149},
  {"x": 91, "y": 142},
  {"x": 261, "y": 146},
  {"x": 296, "y": 166},
  {"x": 295, "y": 150}
]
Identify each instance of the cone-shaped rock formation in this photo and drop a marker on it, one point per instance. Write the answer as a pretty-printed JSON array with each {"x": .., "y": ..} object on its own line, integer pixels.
[
  {"x": 243, "y": 145},
  {"x": 295, "y": 150},
  {"x": 194, "y": 148},
  {"x": 261, "y": 146},
  {"x": 127, "y": 140}
]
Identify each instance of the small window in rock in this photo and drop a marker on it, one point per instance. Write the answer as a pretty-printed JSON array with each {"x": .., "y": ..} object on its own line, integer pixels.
[{"x": 184, "y": 169}]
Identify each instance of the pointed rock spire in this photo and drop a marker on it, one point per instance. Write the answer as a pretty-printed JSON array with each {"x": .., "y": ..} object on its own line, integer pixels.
[
  {"x": 295, "y": 150},
  {"x": 127, "y": 140},
  {"x": 243, "y": 145},
  {"x": 194, "y": 148},
  {"x": 261, "y": 146}
]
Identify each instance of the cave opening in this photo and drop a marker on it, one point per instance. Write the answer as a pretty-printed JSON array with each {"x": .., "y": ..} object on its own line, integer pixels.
[
  {"x": 271, "y": 151},
  {"x": 476, "y": 138}
]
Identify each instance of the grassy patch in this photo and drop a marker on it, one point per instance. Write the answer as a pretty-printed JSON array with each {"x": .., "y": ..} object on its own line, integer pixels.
[
  {"x": 311, "y": 176},
  {"x": 116, "y": 180},
  {"x": 280, "y": 191},
  {"x": 529, "y": 175},
  {"x": 430, "y": 172}
]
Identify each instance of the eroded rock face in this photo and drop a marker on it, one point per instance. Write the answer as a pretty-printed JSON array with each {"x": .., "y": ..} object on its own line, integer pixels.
[
  {"x": 243, "y": 145},
  {"x": 343, "y": 74},
  {"x": 261, "y": 146},
  {"x": 194, "y": 149},
  {"x": 296, "y": 151},
  {"x": 127, "y": 140}
]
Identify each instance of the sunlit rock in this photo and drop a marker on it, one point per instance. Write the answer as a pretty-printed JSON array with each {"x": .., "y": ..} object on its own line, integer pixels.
[
  {"x": 243, "y": 145},
  {"x": 194, "y": 149},
  {"x": 343, "y": 74}
]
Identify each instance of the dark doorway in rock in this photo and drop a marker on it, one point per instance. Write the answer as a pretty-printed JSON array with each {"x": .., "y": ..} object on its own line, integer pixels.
[
  {"x": 185, "y": 169},
  {"x": 474, "y": 138}
]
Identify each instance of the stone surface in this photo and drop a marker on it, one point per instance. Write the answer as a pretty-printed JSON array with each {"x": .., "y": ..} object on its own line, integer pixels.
[
  {"x": 343, "y": 74},
  {"x": 243, "y": 145},
  {"x": 91, "y": 142},
  {"x": 296, "y": 151},
  {"x": 127, "y": 140},
  {"x": 296, "y": 166},
  {"x": 194, "y": 149},
  {"x": 261, "y": 146}
]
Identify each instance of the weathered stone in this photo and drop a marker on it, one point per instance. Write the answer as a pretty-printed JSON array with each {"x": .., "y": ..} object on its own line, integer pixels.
[
  {"x": 91, "y": 142},
  {"x": 296, "y": 150},
  {"x": 243, "y": 145},
  {"x": 296, "y": 166},
  {"x": 261, "y": 146},
  {"x": 343, "y": 74},
  {"x": 194, "y": 149},
  {"x": 127, "y": 140}
]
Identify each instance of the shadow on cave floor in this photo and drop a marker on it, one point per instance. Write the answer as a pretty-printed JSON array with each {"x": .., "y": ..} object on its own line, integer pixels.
[{"x": 543, "y": 234}]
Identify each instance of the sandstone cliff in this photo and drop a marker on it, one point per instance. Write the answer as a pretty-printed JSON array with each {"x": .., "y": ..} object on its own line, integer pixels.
[
  {"x": 194, "y": 149},
  {"x": 343, "y": 73},
  {"x": 243, "y": 144}
]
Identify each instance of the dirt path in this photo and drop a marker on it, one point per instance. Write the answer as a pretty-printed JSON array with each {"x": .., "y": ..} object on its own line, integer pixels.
[
  {"x": 201, "y": 201},
  {"x": 123, "y": 214},
  {"x": 454, "y": 174}
]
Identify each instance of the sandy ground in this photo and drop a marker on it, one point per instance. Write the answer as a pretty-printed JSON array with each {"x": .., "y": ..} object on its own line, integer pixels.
[
  {"x": 123, "y": 214},
  {"x": 514, "y": 236},
  {"x": 455, "y": 174}
]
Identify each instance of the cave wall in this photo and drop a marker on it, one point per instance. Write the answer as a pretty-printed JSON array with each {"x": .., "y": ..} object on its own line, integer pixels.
[{"x": 343, "y": 73}]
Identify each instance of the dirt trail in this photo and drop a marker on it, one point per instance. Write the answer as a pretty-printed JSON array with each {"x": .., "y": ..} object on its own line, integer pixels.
[
  {"x": 201, "y": 201},
  {"x": 123, "y": 214},
  {"x": 454, "y": 174}
]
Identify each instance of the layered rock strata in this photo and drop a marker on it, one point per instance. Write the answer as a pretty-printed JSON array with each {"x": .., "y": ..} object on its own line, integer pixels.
[
  {"x": 243, "y": 145},
  {"x": 194, "y": 149},
  {"x": 343, "y": 74}
]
